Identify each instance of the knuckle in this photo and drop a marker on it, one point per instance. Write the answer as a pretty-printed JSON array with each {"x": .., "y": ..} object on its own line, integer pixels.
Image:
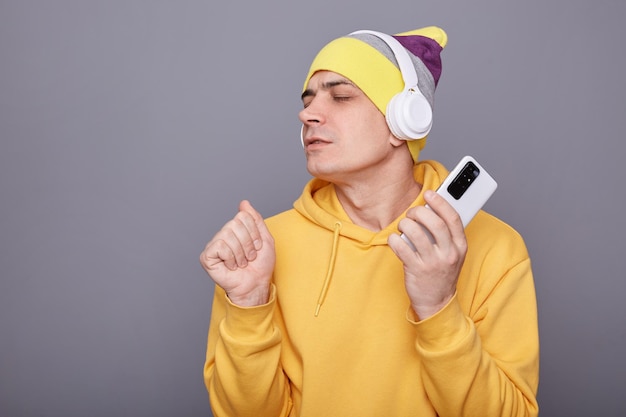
[
  {"x": 402, "y": 225},
  {"x": 440, "y": 223},
  {"x": 231, "y": 224},
  {"x": 242, "y": 217},
  {"x": 452, "y": 260},
  {"x": 411, "y": 212}
]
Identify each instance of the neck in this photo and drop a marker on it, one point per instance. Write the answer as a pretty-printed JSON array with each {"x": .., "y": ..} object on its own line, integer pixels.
[{"x": 375, "y": 203}]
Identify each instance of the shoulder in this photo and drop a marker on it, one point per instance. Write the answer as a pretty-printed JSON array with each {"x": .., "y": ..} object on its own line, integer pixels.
[
  {"x": 497, "y": 262},
  {"x": 282, "y": 218},
  {"x": 488, "y": 236},
  {"x": 286, "y": 224}
]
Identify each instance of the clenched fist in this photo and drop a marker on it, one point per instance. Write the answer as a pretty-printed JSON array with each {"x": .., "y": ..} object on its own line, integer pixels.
[{"x": 240, "y": 258}]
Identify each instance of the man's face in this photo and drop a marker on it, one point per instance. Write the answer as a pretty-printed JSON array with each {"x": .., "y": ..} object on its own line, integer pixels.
[{"x": 345, "y": 135}]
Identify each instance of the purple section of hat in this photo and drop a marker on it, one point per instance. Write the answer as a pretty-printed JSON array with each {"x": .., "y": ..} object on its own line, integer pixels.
[{"x": 426, "y": 49}]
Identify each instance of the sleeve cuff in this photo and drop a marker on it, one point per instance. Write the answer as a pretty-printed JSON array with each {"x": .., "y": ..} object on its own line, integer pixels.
[
  {"x": 445, "y": 329},
  {"x": 249, "y": 323}
]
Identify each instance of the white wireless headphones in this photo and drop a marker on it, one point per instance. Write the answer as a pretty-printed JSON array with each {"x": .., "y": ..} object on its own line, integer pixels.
[{"x": 409, "y": 114}]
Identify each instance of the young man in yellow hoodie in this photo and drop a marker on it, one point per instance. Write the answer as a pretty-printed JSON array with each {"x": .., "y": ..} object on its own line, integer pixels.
[{"x": 323, "y": 310}]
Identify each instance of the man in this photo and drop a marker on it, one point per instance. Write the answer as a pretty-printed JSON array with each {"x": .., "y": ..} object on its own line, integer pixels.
[{"x": 324, "y": 310}]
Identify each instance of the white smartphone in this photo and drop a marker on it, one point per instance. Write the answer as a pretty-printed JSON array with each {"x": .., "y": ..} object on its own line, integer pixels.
[{"x": 467, "y": 188}]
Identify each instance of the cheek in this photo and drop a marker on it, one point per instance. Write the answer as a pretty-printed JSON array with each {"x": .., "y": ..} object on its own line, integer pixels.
[
  {"x": 376, "y": 121},
  {"x": 375, "y": 130}
]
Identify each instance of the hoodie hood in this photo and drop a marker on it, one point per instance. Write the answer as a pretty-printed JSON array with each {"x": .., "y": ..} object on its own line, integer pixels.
[{"x": 319, "y": 204}]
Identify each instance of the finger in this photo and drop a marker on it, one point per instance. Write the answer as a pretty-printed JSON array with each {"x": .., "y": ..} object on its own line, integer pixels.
[
  {"x": 417, "y": 233},
  {"x": 427, "y": 220},
  {"x": 401, "y": 248},
  {"x": 263, "y": 232},
  {"x": 218, "y": 252},
  {"x": 412, "y": 212},
  {"x": 233, "y": 244},
  {"x": 240, "y": 234},
  {"x": 257, "y": 224},
  {"x": 445, "y": 211},
  {"x": 246, "y": 230},
  {"x": 425, "y": 229}
]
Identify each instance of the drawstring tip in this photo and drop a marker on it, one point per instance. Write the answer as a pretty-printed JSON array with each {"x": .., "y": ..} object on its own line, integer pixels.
[{"x": 317, "y": 310}]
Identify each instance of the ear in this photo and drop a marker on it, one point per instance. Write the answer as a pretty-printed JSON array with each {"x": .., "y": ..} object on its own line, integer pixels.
[
  {"x": 399, "y": 144},
  {"x": 395, "y": 142}
]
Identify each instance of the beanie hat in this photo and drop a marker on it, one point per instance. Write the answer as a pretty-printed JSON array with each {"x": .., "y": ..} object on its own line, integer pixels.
[{"x": 369, "y": 62}]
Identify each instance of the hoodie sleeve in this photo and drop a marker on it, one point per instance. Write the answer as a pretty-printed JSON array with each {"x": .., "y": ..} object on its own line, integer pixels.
[
  {"x": 242, "y": 371},
  {"x": 485, "y": 362}
]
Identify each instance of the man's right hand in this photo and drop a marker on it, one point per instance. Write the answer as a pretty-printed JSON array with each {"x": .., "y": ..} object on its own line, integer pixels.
[{"x": 240, "y": 258}]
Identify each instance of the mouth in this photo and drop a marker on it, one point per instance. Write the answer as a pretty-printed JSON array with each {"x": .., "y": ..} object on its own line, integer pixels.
[{"x": 314, "y": 141}]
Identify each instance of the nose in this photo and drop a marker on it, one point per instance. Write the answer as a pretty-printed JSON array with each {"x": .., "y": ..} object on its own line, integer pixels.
[{"x": 313, "y": 113}]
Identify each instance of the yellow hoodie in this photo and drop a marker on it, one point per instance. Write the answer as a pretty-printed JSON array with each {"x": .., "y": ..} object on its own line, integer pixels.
[{"x": 363, "y": 354}]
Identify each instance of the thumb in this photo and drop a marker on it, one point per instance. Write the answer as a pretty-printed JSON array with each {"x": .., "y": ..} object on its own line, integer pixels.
[
  {"x": 258, "y": 219},
  {"x": 247, "y": 207}
]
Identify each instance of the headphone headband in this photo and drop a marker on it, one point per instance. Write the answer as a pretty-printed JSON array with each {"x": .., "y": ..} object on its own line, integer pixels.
[{"x": 409, "y": 75}]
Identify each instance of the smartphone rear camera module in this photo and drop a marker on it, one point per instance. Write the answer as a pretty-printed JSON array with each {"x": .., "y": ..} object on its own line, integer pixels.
[{"x": 462, "y": 182}]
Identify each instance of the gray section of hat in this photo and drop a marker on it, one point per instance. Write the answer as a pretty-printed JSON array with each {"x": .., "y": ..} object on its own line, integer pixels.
[{"x": 425, "y": 83}]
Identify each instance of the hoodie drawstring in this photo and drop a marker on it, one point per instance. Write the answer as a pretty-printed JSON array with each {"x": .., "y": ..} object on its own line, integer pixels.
[{"x": 331, "y": 267}]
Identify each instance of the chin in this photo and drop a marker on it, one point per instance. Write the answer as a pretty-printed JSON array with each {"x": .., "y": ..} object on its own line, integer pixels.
[
  {"x": 321, "y": 172},
  {"x": 329, "y": 173}
]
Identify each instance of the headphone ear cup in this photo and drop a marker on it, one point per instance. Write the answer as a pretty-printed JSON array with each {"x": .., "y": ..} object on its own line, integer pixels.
[{"x": 409, "y": 115}]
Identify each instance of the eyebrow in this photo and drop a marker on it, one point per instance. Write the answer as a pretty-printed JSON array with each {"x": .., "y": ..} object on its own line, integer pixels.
[{"x": 326, "y": 86}]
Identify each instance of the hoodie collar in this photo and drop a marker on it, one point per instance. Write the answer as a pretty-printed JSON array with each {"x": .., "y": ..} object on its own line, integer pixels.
[{"x": 319, "y": 203}]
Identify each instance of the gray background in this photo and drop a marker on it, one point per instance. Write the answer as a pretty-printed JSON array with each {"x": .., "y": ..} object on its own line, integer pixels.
[{"x": 130, "y": 130}]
